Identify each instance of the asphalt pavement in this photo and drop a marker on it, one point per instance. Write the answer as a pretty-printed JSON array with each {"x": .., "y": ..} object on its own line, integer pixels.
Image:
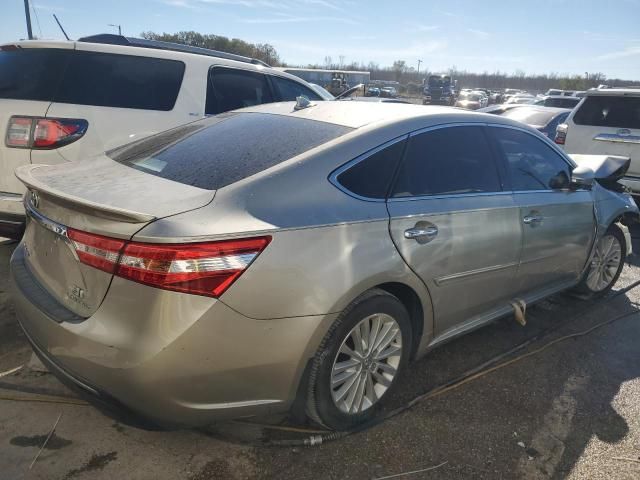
[{"x": 569, "y": 409}]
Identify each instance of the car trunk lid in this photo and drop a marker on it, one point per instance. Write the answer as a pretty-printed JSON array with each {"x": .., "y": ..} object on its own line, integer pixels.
[{"x": 91, "y": 197}]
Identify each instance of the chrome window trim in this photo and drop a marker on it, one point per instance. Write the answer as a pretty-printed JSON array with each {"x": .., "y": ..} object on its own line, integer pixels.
[{"x": 333, "y": 176}]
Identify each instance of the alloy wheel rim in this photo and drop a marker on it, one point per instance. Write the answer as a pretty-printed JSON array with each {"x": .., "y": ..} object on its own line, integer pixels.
[
  {"x": 366, "y": 364},
  {"x": 605, "y": 263}
]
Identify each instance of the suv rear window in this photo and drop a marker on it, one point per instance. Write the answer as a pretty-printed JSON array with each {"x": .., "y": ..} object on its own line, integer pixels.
[
  {"x": 31, "y": 74},
  {"x": 90, "y": 78},
  {"x": 609, "y": 111},
  {"x": 226, "y": 148},
  {"x": 124, "y": 81}
]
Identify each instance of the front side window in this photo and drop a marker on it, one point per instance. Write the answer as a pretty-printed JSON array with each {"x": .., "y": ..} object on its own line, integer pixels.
[
  {"x": 532, "y": 164},
  {"x": 230, "y": 89},
  {"x": 289, "y": 90},
  {"x": 447, "y": 161}
]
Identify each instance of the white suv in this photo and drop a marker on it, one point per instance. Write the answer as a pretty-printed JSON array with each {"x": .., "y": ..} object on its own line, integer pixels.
[
  {"x": 66, "y": 101},
  {"x": 607, "y": 121}
]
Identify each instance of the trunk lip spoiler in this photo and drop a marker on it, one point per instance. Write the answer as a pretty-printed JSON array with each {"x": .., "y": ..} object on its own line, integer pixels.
[{"x": 24, "y": 174}]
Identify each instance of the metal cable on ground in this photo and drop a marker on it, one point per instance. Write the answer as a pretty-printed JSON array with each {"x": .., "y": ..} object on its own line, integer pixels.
[
  {"x": 466, "y": 377},
  {"x": 318, "y": 439}
]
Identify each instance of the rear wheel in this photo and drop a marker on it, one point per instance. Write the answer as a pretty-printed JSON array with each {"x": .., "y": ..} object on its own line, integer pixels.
[
  {"x": 606, "y": 265},
  {"x": 359, "y": 360}
]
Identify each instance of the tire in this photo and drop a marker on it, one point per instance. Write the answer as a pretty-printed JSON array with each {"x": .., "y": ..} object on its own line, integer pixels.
[
  {"x": 606, "y": 265},
  {"x": 362, "y": 383}
]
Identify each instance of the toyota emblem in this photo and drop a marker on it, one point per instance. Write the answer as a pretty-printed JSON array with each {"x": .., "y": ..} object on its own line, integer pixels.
[{"x": 34, "y": 198}]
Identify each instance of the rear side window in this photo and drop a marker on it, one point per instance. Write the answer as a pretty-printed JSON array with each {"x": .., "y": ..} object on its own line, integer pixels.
[
  {"x": 123, "y": 81},
  {"x": 568, "y": 102},
  {"x": 371, "y": 177},
  {"x": 226, "y": 148},
  {"x": 31, "y": 74},
  {"x": 609, "y": 111},
  {"x": 289, "y": 90},
  {"x": 451, "y": 160},
  {"x": 230, "y": 89},
  {"x": 533, "y": 165}
]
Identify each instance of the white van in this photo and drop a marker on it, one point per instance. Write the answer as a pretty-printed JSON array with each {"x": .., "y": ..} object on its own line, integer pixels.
[
  {"x": 67, "y": 101},
  {"x": 607, "y": 121}
]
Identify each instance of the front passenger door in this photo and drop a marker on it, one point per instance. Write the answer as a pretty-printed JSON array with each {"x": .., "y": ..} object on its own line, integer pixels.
[
  {"x": 454, "y": 225},
  {"x": 558, "y": 223}
]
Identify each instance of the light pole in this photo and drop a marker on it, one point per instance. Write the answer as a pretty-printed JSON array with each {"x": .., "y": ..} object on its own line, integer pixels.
[
  {"x": 119, "y": 28},
  {"x": 419, "y": 62}
]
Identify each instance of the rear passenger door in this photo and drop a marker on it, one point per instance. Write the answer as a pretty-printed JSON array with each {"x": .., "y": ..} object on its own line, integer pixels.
[
  {"x": 558, "y": 223},
  {"x": 454, "y": 225},
  {"x": 233, "y": 88}
]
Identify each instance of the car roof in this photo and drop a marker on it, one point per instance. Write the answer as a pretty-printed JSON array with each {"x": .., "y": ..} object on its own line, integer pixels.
[
  {"x": 632, "y": 92},
  {"x": 360, "y": 114},
  {"x": 244, "y": 63}
]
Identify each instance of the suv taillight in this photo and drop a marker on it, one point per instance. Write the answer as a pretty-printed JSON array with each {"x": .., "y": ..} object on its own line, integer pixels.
[
  {"x": 561, "y": 133},
  {"x": 207, "y": 269},
  {"x": 43, "y": 133}
]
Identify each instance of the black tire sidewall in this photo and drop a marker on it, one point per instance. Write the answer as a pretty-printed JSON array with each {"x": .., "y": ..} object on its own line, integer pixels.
[
  {"x": 329, "y": 413},
  {"x": 616, "y": 232}
]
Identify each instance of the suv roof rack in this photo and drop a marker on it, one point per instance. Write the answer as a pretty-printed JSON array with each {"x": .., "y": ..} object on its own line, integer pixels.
[{"x": 112, "y": 39}]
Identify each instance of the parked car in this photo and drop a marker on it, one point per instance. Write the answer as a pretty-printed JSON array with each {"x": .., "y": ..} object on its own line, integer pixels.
[
  {"x": 543, "y": 119},
  {"x": 470, "y": 100},
  {"x": 559, "y": 101},
  {"x": 606, "y": 122},
  {"x": 555, "y": 92},
  {"x": 525, "y": 99},
  {"x": 388, "y": 92},
  {"x": 222, "y": 270},
  {"x": 373, "y": 92},
  {"x": 66, "y": 101}
]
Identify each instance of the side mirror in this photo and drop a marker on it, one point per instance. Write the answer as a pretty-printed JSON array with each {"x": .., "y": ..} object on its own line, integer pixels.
[{"x": 582, "y": 177}]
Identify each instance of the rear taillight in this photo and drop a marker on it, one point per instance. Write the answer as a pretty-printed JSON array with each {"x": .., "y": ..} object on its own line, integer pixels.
[
  {"x": 197, "y": 268},
  {"x": 561, "y": 133},
  {"x": 43, "y": 133}
]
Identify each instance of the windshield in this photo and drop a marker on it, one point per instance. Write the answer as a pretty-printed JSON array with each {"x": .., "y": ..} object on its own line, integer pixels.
[
  {"x": 437, "y": 81},
  {"x": 473, "y": 97},
  {"x": 224, "y": 149},
  {"x": 530, "y": 116}
]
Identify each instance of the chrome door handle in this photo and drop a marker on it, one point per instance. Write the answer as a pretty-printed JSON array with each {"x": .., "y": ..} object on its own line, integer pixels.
[
  {"x": 417, "y": 233},
  {"x": 532, "y": 219}
]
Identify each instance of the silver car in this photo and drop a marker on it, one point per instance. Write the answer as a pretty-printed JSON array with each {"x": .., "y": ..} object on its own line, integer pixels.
[{"x": 301, "y": 253}]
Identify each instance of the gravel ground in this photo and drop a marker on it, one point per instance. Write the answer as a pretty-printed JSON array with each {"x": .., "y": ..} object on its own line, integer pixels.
[{"x": 569, "y": 411}]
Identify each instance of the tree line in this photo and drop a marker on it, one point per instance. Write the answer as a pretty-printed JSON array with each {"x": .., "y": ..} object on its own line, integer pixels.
[{"x": 409, "y": 77}]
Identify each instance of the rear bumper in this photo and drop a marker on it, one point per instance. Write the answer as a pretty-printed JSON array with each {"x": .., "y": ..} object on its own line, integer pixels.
[
  {"x": 12, "y": 218},
  {"x": 170, "y": 359}
]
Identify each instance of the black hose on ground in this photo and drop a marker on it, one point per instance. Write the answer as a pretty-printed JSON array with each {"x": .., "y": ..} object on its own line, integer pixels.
[{"x": 472, "y": 374}]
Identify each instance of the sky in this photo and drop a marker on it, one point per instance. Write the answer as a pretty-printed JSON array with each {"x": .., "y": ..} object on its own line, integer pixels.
[{"x": 534, "y": 36}]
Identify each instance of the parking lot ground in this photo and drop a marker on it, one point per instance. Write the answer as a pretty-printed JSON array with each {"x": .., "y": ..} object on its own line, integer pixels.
[{"x": 571, "y": 410}]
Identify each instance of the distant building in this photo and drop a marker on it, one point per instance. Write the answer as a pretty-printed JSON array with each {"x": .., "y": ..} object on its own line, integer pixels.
[{"x": 324, "y": 77}]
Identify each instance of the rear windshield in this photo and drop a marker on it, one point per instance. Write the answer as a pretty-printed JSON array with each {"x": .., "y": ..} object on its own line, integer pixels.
[
  {"x": 224, "y": 149},
  {"x": 31, "y": 74},
  {"x": 609, "y": 111},
  {"x": 90, "y": 78}
]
